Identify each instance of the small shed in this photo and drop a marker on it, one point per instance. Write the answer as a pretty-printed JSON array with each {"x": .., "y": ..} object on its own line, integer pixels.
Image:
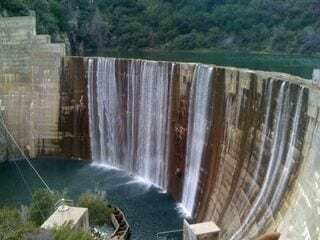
[
  {"x": 77, "y": 217},
  {"x": 201, "y": 231}
]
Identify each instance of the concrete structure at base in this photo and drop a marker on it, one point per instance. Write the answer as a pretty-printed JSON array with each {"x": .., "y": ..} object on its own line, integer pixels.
[
  {"x": 201, "y": 231},
  {"x": 77, "y": 217}
]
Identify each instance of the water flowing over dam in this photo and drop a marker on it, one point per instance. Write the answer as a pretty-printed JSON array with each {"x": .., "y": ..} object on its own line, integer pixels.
[
  {"x": 199, "y": 122},
  {"x": 129, "y": 119},
  {"x": 227, "y": 144}
]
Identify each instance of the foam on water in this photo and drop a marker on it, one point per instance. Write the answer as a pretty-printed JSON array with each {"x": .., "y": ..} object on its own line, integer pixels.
[{"x": 183, "y": 211}]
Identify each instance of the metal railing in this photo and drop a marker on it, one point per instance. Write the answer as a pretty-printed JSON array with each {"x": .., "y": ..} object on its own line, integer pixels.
[
  {"x": 170, "y": 235},
  {"x": 62, "y": 203}
]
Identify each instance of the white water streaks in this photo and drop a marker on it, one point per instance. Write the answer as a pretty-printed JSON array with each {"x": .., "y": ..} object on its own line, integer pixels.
[
  {"x": 197, "y": 132},
  {"x": 129, "y": 120},
  {"x": 277, "y": 175}
]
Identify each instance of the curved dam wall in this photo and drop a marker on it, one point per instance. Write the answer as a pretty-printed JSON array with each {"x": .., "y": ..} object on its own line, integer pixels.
[{"x": 235, "y": 146}]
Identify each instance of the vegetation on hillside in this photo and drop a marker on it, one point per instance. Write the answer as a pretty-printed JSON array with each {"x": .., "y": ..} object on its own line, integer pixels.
[{"x": 291, "y": 26}]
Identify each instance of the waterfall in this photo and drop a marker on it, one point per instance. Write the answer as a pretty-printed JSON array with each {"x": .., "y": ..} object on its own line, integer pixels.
[
  {"x": 289, "y": 159},
  {"x": 277, "y": 176},
  {"x": 104, "y": 116},
  {"x": 197, "y": 131},
  {"x": 153, "y": 122},
  {"x": 104, "y": 113},
  {"x": 272, "y": 170},
  {"x": 129, "y": 117}
]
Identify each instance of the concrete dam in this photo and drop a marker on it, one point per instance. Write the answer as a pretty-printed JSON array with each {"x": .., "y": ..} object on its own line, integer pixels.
[{"x": 235, "y": 146}]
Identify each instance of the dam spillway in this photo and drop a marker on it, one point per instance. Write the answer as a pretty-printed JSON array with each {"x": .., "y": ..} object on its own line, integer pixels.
[
  {"x": 129, "y": 116},
  {"x": 235, "y": 146},
  {"x": 226, "y": 143},
  {"x": 198, "y": 123}
]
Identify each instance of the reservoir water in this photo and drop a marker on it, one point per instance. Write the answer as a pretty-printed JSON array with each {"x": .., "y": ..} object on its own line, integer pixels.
[{"x": 298, "y": 65}]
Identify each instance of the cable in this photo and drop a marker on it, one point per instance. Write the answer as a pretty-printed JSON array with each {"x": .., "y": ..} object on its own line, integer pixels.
[
  {"x": 28, "y": 187},
  {"x": 24, "y": 155},
  {"x": 19, "y": 169}
]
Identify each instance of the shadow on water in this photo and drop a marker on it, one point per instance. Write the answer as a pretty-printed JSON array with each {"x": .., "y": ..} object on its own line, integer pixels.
[{"x": 148, "y": 210}]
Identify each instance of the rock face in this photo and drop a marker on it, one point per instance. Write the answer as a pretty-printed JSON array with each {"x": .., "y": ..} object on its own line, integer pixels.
[{"x": 237, "y": 147}]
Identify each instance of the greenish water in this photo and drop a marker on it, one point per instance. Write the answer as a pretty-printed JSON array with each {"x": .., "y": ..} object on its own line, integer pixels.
[
  {"x": 147, "y": 209},
  {"x": 293, "y": 64}
]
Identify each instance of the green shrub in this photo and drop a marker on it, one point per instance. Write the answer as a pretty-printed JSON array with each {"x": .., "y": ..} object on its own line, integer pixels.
[
  {"x": 13, "y": 226},
  {"x": 42, "y": 205},
  {"x": 99, "y": 210},
  {"x": 67, "y": 233}
]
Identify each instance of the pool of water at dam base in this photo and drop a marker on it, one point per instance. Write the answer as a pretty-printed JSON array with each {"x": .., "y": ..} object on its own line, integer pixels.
[{"x": 148, "y": 209}]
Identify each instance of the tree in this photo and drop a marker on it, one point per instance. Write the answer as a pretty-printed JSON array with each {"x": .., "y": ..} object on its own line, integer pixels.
[
  {"x": 98, "y": 207},
  {"x": 97, "y": 25},
  {"x": 99, "y": 35},
  {"x": 42, "y": 205}
]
